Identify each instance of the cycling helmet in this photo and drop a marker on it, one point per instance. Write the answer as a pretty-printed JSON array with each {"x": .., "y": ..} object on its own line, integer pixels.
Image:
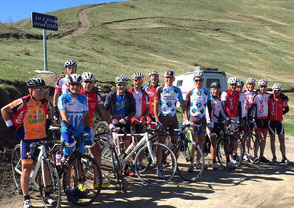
[
  {"x": 169, "y": 73},
  {"x": 262, "y": 82},
  {"x": 121, "y": 79},
  {"x": 70, "y": 63},
  {"x": 88, "y": 76},
  {"x": 35, "y": 82},
  {"x": 240, "y": 83},
  {"x": 215, "y": 85},
  {"x": 153, "y": 73},
  {"x": 277, "y": 86},
  {"x": 250, "y": 81},
  {"x": 137, "y": 75},
  {"x": 74, "y": 78},
  {"x": 232, "y": 80},
  {"x": 198, "y": 73}
]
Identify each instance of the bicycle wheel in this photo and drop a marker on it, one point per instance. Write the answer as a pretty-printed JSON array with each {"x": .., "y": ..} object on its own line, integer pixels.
[
  {"x": 118, "y": 171},
  {"x": 82, "y": 180},
  {"x": 52, "y": 186},
  {"x": 229, "y": 152},
  {"x": 16, "y": 167},
  {"x": 188, "y": 166},
  {"x": 249, "y": 143},
  {"x": 147, "y": 172}
]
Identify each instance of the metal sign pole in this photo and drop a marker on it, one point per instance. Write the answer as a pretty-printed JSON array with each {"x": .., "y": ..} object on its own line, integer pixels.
[{"x": 45, "y": 50}]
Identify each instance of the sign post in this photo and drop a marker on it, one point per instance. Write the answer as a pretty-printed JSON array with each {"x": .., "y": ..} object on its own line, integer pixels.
[{"x": 45, "y": 22}]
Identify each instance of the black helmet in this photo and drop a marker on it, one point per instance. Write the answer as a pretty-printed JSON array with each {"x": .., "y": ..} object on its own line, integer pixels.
[
  {"x": 215, "y": 84},
  {"x": 35, "y": 82}
]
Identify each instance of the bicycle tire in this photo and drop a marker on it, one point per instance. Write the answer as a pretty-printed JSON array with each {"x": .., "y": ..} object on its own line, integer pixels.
[
  {"x": 149, "y": 175},
  {"x": 16, "y": 167},
  {"x": 184, "y": 161},
  {"x": 118, "y": 171},
  {"x": 55, "y": 187},
  {"x": 250, "y": 146},
  {"x": 88, "y": 194},
  {"x": 234, "y": 151}
]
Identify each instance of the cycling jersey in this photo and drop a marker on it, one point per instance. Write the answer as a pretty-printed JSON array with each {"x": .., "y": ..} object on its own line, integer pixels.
[
  {"x": 120, "y": 109},
  {"x": 168, "y": 97},
  {"x": 276, "y": 106},
  {"x": 248, "y": 100},
  {"x": 232, "y": 100},
  {"x": 94, "y": 99},
  {"x": 62, "y": 84},
  {"x": 30, "y": 117},
  {"x": 75, "y": 108},
  {"x": 197, "y": 102},
  {"x": 151, "y": 93},
  {"x": 142, "y": 101},
  {"x": 217, "y": 111},
  {"x": 261, "y": 101}
]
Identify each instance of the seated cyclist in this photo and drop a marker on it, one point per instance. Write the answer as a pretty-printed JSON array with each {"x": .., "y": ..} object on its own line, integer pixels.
[
  {"x": 94, "y": 101},
  {"x": 215, "y": 116},
  {"x": 74, "y": 113},
  {"x": 121, "y": 106},
  {"x": 31, "y": 127}
]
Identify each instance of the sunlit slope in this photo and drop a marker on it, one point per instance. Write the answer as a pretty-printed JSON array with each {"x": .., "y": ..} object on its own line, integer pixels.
[{"x": 243, "y": 38}]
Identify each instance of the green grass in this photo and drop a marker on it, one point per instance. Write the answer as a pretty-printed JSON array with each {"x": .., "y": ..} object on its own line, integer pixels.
[{"x": 243, "y": 38}]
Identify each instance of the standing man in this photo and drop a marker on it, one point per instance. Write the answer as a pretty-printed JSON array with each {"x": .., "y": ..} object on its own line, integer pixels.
[
  {"x": 29, "y": 119},
  {"x": 61, "y": 88},
  {"x": 197, "y": 101},
  {"x": 165, "y": 101},
  {"x": 277, "y": 108}
]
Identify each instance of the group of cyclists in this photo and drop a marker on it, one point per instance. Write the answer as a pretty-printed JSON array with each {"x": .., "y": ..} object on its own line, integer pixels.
[{"x": 75, "y": 101}]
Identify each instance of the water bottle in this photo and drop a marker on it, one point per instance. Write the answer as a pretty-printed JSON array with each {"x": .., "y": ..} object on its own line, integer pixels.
[{"x": 58, "y": 158}]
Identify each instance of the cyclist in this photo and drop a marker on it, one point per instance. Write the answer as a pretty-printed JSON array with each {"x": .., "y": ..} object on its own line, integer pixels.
[
  {"x": 197, "y": 100},
  {"x": 30, "y": 116},
  {"x": 121, "y": 106},
  {"x": 165, "y": 100},
  {"x": 215, "y": 115},
  {"x": 94, "y": 101},
  {"x": 142, "y": 102},
  {"x": 70, "y": 67},
  {"x": 74, "y": 113},
  {"x": 151, "y": 89},
  {"x": 261, "y": 101},
  {"x": 277, "y": 108},
  {"x": 232, "y": 105}
]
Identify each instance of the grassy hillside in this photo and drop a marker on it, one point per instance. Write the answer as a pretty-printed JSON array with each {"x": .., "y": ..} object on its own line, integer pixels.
[{"x": 245, "y": 38}]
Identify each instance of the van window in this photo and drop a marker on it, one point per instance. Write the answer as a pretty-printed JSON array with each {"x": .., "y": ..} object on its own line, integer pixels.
[
  {"x": 179, "y": 83},
  {"x": 209, "y": 81}
]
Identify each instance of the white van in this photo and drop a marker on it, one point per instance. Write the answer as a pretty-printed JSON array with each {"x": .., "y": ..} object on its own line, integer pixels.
[{"x": 185, "y": 81}]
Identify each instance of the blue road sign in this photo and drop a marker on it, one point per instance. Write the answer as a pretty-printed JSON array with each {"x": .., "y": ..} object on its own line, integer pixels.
[{"x": 44, "y": 21}]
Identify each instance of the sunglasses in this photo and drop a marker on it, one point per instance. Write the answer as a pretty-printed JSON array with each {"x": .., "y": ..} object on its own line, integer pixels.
[
  {"x": 89, "y": 82},
  {"x": 277, "y": 90},
  {"x": 138, "y": 80},
  {"x": 122, "y": 85},
  {"x": 76, "y": 84},
  {"x": 39, "y": 89},
  {"x": 198, "y": 80}
]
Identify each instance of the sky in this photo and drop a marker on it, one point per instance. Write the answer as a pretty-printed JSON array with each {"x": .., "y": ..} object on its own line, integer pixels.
[{"x": 16, "y": 10}]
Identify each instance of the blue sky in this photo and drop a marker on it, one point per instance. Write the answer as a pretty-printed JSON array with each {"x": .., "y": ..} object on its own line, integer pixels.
[{"x": 22, "y": 9}]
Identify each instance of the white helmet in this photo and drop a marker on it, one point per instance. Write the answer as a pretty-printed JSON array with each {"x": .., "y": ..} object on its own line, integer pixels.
[
  {"x": 277, "y": 86},
  {"x": 70, "y": 63},
  {"x": 232, "y": 80},
  {"x": 262, "y": 82},
  {"x": 153, "y": 73},
  {"x": 74, "y": 78},
  {"x": 250, "y": 81},
  {"x": 121, "y": 79},
  {"x": 137, "y": 75},
  {"x": 88, "y": 76},
  {"x": 198, "y": 73}
]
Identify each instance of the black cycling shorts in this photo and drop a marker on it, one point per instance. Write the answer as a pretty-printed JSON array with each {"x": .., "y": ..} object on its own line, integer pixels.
[{"x": 276, "y": 126}]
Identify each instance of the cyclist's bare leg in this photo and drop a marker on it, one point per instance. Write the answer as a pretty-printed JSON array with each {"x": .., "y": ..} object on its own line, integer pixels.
[
  {"x": 24, "y": 179},
  {"x": 96, "y": 152},
  {"x": 282, "y": 145},
  {"x": 161, "y": 140},
  {"x": 263, "y": 142},
  {"x": 273, "y": 146},
  {"x": 213, "y": 140},
  {"x": 257, "y": 143},
  {"x": 47, "y": 178},
  {"x": 201, "y": 138}
]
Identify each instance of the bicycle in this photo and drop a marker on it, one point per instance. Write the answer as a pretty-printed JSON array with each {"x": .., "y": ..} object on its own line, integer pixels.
[
  {"x": 187, "y": 147},
  {"x": 145, "y": 162},
  {"x": 229, "y": 150},
  {"x": 37, "y": 177}
]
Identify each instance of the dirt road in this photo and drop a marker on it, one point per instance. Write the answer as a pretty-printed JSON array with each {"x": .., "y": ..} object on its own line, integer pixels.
[{"x": 262, "y": 185}]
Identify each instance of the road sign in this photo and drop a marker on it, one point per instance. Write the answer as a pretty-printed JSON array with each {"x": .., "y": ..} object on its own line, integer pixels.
[{"x": 44, "y": 21}]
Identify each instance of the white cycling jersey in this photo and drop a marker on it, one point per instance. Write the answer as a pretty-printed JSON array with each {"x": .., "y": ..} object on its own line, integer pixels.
[
  {"x": 62, "y": 84},
  {"x": 198, "y": 99},
  {"x": 261, "y": 101},
  {"x": 217, "y": 111},
  {"x": 248, "y": 100}
]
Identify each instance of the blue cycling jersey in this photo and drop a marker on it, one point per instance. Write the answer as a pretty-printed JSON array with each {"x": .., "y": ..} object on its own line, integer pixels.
[
  {"x": 168, "y": 100},
  {"x": 75, "y": 108}
]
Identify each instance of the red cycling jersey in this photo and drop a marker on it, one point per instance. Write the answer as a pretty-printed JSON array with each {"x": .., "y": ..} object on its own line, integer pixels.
[
  {"x": 232, "y": 99},
  {"x": 94, "y": 99},
  {"x": 141, "y": 102},
  {"x": 151, "y": 93},
  {"x": 276, "y": 106}
]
